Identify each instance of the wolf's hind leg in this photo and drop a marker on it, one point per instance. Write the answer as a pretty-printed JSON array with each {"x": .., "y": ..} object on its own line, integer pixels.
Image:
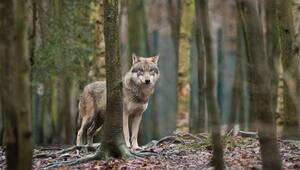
[
  {"x": 84, "y": 124},
  {"x": 135, "y": 130},
  {"x": 97, "y": 123}
]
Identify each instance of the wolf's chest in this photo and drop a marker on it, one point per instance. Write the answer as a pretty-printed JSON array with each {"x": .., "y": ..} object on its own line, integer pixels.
[{"x": 136, "y": 108}]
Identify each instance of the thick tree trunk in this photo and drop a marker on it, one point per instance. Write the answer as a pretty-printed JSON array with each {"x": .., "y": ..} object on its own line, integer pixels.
[
  {"x": 112, "y": 142},
  {"x": 15, "y": 72},
  {"x": 261, "y": 83},
  {"x": 197, "y": 122},
  {"x": 291, "y": 75},
  {"x": 183, "y": 69},
  {"x": 212, "y": 106}
]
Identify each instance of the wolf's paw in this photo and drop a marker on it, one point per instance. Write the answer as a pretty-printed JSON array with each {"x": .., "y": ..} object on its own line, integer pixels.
[
  {"x": 128, "y": 145},
  {"x": 136, "y": 147}
]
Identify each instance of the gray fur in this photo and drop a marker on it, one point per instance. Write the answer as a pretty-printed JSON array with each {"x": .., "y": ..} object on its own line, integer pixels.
[{"x": 138, "y": 85}]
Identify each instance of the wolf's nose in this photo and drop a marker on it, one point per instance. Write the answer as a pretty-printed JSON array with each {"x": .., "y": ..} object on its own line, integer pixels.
[{"x": 147, "y": 81}]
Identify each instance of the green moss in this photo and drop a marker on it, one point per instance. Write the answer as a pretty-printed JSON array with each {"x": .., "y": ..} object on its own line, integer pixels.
[{"x": 227, "y": 140}]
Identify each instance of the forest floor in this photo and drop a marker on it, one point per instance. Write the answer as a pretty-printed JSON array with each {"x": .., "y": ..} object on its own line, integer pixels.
[{"x": 180, "y": 151}]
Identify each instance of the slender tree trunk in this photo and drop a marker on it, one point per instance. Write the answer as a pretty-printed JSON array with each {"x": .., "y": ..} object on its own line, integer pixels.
[
  {"x": 252, "y": 118},
  {"x": 174, "y": 12},
  {"x": 42, "y": 119},
  {"x": 212, "y": 106},
  {"x": 112, "y": 142},
  {"x": 197, "y": 122},
  {"x": 183, "y": 69},
  {"x": 54, "y": 110},
  {"x": 230, "y": 34},
  {"x": 261, "y": 94},
  {"x": 296, "y": 16},
  {"x": 1, "y": 112},
  {"x": 137, "y": 29},
  {"x": 1, "y": 117},
  {"x": 241, "y": 55},
  {"x": 291, "y": 75},
  {"x": 236, "y": 99},
  {"x": 66, "y": 111},
  {"x": 272, "y": 43},
  {"x": 15, "y": 73}
]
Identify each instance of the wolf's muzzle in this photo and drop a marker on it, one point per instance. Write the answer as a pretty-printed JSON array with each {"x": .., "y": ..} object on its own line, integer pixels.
[{"x": 147, "y": 81}]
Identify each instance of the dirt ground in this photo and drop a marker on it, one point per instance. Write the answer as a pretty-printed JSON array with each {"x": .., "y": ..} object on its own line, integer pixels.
[{"x": 180, "y": 151}]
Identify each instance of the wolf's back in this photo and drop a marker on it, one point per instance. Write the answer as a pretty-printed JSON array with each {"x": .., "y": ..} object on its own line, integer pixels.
[{"x": 92, "y": 99}]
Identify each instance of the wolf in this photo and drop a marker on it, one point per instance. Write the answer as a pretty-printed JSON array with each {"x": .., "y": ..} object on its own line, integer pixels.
[{"x": 138, "y": 85}]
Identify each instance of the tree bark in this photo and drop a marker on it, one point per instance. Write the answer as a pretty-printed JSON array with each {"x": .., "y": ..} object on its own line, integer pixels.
[
  {"x": 241, "y": 55},
  {"x": 183, "y": 68},
  {"x": 212, "y": 106},
  {"x": 291, "y": 75},
  {"x": 66, "y": 111},
  {"x": 174, "y": 12},
  {"x": 54, "y": 110},
  {"x": 272, "y": 45},
  {"x": 197, "y": 122},
  {"x": 236, "y": 99},
  {"x": 137, "y": 29},
  {"x": 112, "y": 142},
  {"x": 260, "y": 91},
  {"x": 15, "y": 72}
]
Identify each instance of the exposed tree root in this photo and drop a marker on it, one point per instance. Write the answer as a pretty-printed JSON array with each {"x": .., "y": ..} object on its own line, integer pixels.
[
  {"x": 143, "y": 153},
  {"x": 104, "y": 154},
  {"x": 74, "y": 162},
  {"x": 55, "y": 154},
  {"x": 172, "y": 139}
]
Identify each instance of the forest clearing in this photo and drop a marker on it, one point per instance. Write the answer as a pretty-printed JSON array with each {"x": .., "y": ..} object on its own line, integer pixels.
[{"x": 150, "y": 84}]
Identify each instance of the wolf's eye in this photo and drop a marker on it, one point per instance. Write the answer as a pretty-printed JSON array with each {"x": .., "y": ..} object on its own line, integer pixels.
[
  {"x": 134, "y": 70},
  {"x": 154, "y": 70},
  {"x": 138, "y": 70}
]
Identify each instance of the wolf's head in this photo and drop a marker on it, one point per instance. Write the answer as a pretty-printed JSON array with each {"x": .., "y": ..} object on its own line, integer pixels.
[{"x": 144, "y": 71}]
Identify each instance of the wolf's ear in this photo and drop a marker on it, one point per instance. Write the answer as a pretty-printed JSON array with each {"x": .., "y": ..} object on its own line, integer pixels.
[
  {"x": 155, "y": 59},
  {"x": 135, "y": 59}
]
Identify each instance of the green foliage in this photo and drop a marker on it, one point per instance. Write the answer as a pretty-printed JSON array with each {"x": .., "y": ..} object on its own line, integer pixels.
[{"x": 66, "y": 42}]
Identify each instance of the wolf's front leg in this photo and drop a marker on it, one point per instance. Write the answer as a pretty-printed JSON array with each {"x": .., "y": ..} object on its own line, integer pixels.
[
  {"x": 135, "y": 130},
  {"x": 126, "y": 129}
]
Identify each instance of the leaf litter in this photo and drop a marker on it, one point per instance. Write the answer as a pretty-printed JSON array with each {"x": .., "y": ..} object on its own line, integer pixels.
[{"x": 179, "y": 151}]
